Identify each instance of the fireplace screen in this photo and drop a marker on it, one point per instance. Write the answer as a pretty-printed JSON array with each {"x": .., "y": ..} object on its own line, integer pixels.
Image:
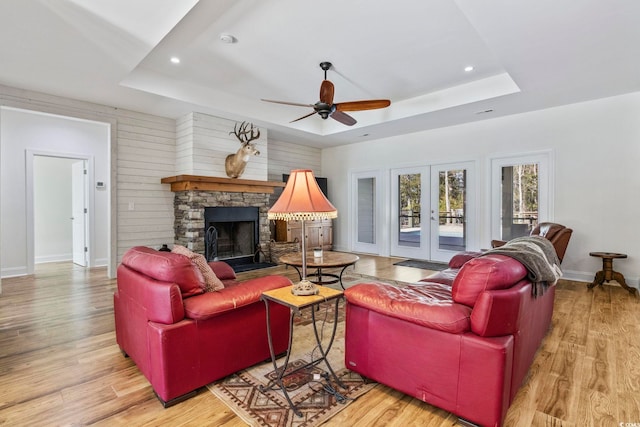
[{"x": 231, "y": 232}]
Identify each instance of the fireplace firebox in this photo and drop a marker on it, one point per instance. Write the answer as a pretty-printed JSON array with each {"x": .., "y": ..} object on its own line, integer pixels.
[{"x": 231, "y": 233}]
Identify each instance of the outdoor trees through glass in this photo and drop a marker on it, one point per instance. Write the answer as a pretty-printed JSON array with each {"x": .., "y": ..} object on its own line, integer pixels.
[{"x": 519, "y": 207}]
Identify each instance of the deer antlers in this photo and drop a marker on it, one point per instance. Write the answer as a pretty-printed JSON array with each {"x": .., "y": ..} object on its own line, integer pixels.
[{"x": 245, "y": 135}]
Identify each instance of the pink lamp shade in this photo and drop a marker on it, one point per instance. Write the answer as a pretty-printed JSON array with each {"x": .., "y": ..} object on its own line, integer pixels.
[{"x": 302, "y": 199}]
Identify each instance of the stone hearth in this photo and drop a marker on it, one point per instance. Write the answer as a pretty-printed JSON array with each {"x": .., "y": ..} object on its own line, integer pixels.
[{"x": 193, "y": 194}]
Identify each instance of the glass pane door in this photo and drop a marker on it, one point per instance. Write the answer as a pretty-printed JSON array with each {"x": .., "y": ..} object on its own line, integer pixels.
[
  {"x": 409, "y": 191},
  {"x": 409, "y": 230},
  {"x": 519, "y": 201},
  {"x": 521, "y": 194},
  {"x": 449, "y": 222}
]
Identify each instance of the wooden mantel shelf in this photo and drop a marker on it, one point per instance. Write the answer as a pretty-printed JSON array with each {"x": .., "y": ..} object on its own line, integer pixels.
[{"x": 211, "y": 183}]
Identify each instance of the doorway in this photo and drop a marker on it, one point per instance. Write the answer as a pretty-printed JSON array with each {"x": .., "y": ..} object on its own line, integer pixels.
[
  {"x": 430, "y": 217},
  {"x": 58, "y": 208}
]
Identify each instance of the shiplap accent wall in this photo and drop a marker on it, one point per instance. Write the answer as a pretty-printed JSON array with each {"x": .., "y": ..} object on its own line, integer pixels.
[
  {"x": 204, "y": 142},
  {"x": 285, "y": 156},
  {"x": 142, "y": 152}
]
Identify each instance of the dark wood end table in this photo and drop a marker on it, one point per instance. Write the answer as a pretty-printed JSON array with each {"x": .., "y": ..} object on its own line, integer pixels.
[
  {"x": 607, "y": 273},
  {"x": 329, "y": 259},
  {"x": 295, "y": 303}
]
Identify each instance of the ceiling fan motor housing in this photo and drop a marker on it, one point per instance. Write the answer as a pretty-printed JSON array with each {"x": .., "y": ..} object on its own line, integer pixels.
[{"x": 323, "y": 109}]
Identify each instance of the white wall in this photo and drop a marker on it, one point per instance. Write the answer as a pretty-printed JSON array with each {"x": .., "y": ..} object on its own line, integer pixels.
[
  {"x": 44, "y": 133},
  {"x": 52, "y": 209},
  {"x": 596, "y": 146},
  {"x": 142, "y": 152}
]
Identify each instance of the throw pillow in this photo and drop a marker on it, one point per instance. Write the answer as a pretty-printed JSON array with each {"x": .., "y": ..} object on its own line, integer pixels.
[{"x": 211, "y": 281}]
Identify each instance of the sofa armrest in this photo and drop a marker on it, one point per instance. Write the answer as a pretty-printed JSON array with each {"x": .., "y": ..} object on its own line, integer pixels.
[
  {"x": 161, "y": 301},
  {"x": 497, "y": 312}
]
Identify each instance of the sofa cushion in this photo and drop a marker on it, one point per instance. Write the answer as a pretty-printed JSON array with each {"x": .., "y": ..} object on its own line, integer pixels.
[
  {"x": 233, "y": 296},
  {"x": 166, "y": 267},
  {"x": 487, "y": 272},
  {"x": 211, "y": 281},
  {"x": 222, "y": 270},
  {"x": 425, "y": 304}
]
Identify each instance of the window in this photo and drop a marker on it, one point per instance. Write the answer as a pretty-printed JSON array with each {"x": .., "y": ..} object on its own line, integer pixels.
[{"x": 521, "y": 194}]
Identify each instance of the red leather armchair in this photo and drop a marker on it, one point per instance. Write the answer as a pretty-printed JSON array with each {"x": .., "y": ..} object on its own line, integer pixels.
[
  {"x": 182, "y": 338},
  {"x": 465, "y": 348},
  {"x": 557, "y": 234}
]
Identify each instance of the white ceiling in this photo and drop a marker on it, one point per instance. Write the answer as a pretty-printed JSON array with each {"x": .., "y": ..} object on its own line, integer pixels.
[{"x": 527, "y": 55}]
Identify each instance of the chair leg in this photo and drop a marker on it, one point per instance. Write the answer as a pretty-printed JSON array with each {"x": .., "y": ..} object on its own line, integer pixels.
[{"x": 176, "y": 400}]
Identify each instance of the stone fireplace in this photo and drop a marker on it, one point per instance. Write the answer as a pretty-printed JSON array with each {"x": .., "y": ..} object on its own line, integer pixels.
[{"x": 196, "y": 199}]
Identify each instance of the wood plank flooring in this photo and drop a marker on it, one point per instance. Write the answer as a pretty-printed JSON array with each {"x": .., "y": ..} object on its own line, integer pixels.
[{"x": 60, "y": 365}]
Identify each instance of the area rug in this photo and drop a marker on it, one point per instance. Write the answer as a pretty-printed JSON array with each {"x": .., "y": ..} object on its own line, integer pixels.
[
  {"x": 425, "y": 265},
  {"x": 308, "y": 392}
]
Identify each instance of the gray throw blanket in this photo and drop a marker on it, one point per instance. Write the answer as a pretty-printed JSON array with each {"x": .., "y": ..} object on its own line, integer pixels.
[{"x": 538, "y": 256}]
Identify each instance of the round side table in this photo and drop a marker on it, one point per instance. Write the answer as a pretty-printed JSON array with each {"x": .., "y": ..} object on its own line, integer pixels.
[{"x": 607, "y": 274}]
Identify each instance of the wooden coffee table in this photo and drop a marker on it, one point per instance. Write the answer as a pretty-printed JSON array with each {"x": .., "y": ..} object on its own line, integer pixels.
[{"x": 329, "y": 259}]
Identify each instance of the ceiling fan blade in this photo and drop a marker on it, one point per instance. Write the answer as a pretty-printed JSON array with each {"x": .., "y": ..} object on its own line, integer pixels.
[
  {"x": 372, "y": 104},
  {"x": 343, "y": 118},
  {"x": 287, "y": 103},
  {"x": 326, "y": 92},
  {"x": 303, "y": 117}
]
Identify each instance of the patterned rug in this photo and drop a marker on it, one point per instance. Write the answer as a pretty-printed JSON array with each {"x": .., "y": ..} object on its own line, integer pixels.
[{"x": 307, "y": 388}]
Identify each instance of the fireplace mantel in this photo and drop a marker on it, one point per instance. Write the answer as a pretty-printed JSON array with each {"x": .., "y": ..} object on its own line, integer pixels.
[{"x": 211, "y": 183}]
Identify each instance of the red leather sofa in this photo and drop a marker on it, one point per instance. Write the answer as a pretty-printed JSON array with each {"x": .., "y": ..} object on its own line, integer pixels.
[
  {"x": 464, "y": 346},
  {"x": 182, "y": 338}
]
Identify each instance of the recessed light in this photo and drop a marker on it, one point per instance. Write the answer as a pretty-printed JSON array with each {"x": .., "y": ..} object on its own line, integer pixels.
[
  {"x": 468, "y": 68},
  {"x": 175, "y": 60},
  {"x": 227, "y": 38}
]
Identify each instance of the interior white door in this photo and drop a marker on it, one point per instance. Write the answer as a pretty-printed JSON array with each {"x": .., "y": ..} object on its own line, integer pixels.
[{"x": 79, "y": 212}]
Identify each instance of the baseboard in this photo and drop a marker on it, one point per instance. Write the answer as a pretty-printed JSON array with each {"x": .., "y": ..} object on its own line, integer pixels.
[
  {"x": 587, "y": 277},
  {"x": 53, "y": 258},
  {"x": 13, "y": 272}
]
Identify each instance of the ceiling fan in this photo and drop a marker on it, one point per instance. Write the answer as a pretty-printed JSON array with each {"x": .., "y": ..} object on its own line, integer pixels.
[{"x": 326, "y": 108}]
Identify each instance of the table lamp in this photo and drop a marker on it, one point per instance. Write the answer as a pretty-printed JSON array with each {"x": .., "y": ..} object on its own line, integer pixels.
[{"x": 302, "y": 200}]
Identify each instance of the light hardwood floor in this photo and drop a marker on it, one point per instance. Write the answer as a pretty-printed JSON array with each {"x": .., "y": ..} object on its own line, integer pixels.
[{"x": 60, "y": 365}]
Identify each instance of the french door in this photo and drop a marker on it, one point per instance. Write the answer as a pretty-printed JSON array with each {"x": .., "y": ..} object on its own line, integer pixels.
[{"x": 430, "y": 211}]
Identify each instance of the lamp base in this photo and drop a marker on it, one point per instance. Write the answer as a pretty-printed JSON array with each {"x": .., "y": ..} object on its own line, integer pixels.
[{"x": 304, "y": 287}]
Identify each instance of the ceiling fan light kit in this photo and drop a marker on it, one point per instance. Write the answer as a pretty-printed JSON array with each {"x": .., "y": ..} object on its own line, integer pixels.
[{"x": 325, "y": 107}]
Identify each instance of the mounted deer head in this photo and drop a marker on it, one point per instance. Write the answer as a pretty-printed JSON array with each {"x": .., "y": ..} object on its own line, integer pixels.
[{"x": 235, "y": 163}]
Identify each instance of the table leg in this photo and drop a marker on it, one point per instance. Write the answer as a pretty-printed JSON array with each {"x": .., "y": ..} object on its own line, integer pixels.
[
  {"x": 618, "y": 277},
  {"x": 298, "y": 270},
  {"x": 598, "y": 280},
  {"x": 278, "y": 380},
  {"x": 343, "y": 269},
  {"x": 323, "y": 351}
]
